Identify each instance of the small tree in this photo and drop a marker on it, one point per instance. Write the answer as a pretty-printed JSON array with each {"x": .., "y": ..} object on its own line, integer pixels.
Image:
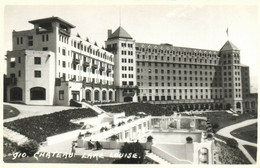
[
  {"x": 30, "y": 148},
  {"x": 114, "y": 138},
  {"x": 131, "y": 153},
  {"x": 189, "y": 140},
  {"x": 149, "y": 138}
]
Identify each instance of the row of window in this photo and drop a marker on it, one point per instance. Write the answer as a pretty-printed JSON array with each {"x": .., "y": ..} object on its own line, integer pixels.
[
  {"x": 182, "y": 84},
  {"x": 129, "y": 75},
  {"x": 130, "y": 68},
  {"x": 124, "y": 60},
  {"x": 129, "y": 45},
  {"x": 180, "y": 72},
  {"x": 77, "y": 55},
  {"x": 45, "y": 37},
  {"x": 175, "y": 52},
  {"x": 88, "y": 49},
  {"x": 82, "y": 78},
  {"x": 19, "y": 40},
  {"x": 180, "y": 59},
  {"x": 125, "y": 52},
  {"x": 175, "y": 65}
]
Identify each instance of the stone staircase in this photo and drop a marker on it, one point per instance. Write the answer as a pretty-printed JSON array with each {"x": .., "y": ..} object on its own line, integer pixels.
[
  {"x": 157, "y": 158},
  {"x": 93, "y": 107}
]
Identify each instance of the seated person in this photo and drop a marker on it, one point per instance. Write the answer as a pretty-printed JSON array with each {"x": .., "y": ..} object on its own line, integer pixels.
[
  {"x": 90, "y": 145},
  {"x": 98, "y": 145}
]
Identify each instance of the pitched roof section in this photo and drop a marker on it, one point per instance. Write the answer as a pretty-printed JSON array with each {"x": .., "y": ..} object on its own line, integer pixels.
[
  {"x": 228, "y": 46},
  {"x": 120, "y": 33}
]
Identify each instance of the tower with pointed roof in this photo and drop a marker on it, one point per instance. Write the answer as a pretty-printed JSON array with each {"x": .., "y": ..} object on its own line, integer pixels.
[
  {"x": 122, "y": 45},
  {"x": 231, "y": 76}
]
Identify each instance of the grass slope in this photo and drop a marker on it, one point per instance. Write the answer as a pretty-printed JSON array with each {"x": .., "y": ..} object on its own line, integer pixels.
[
  {"x": 248, "y": 133},
  {"x": 133, "y": 108},
  {"x": 41, "y": 127},
  {"x": 223, "y": 119},
  {"x": 251, "y": 150},
  {"x": 10, "y": 111}
]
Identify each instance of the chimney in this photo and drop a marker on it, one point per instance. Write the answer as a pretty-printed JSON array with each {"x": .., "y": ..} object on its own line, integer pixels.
[{"x": 109, "y": 32}]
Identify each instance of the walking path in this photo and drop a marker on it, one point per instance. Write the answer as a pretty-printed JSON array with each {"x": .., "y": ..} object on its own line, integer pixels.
[{"x": 227, "y": 133}]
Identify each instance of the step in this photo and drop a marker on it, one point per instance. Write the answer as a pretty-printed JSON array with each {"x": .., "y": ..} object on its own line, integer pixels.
[{"x": 157, "y": 158}]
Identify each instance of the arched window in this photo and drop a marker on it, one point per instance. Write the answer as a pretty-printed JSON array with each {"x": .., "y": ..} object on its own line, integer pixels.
[
  {"x": 110, "y": 95},
  {"x": 104, "y": 95},
  {"x": 16, "y": 93},
  {"x": 252, "y": 104},
  {"x": 247, "y": 104},
  {"x": 238, "y": 105},
  {"x": 96, "y": 95},
  {"x": 88, "y": 95},
  {"x": 228, "y": 106},
  {"x": 38, "y": 93}
]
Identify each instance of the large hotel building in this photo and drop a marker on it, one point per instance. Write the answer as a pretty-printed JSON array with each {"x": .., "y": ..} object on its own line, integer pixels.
[{"x": 50, "y": 66}]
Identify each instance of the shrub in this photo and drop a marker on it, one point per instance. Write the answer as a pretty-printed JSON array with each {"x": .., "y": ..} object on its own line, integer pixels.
[
  {"x": 74, "y": 103},
  {"x": 114, "y": 138},
  {"x": 9, "y": 147},
  {"x": 215, "y": 126},
  {"x": 30, "y": 148},
  {"x": 189, "y": 140},
  {"x": 131, "y": 153},
  {"x": 209, "y": 136},
  {"x": 232, "y": 142},
  {"x": 149, "y": 138}
]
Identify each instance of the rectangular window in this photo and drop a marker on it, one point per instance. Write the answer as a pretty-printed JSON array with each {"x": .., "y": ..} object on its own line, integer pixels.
[
  {"x": 61, "y": 95},
  {"x": 19, "y": 73},
  {"x": 17, "y": 40},
  {"x": 63, "y": 52},
  {"x": 43, "y": 39},
  {"x": 45, "y": 49},
  {"x": 21, "y": 40},
  {"x": 63, "y": 64},
  {"x": 19, "y": 59},
  {"x": 37, "y": 60},
  {"x": 47, "y": 37},
  {"x": 37, "y": 74}
]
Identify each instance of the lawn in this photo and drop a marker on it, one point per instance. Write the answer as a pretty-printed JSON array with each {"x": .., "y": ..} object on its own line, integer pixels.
[
  {"x": 222, "y": 119},
  {"x": 251, "y": 150},
  {"x": 248, "y": 133},
  {"x": 229, "y": 155},
  {"x": 133, "y": 108},
  {"x": 41, "y": 127},
  {"x": 10, "y": 111}
]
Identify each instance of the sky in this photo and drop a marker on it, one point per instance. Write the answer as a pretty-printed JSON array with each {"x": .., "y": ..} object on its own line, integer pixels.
[{"x": 193, "y": 26}]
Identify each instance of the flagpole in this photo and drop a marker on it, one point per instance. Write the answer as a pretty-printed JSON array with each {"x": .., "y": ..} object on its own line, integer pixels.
[{"x": 227, "y": 34}]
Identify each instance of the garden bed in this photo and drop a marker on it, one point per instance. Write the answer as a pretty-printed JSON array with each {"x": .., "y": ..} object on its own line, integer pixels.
[
  {"x": 230, "y": 155},
  {"x": 41, "y": 127},
  {"x": 134, "y": 108}
]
